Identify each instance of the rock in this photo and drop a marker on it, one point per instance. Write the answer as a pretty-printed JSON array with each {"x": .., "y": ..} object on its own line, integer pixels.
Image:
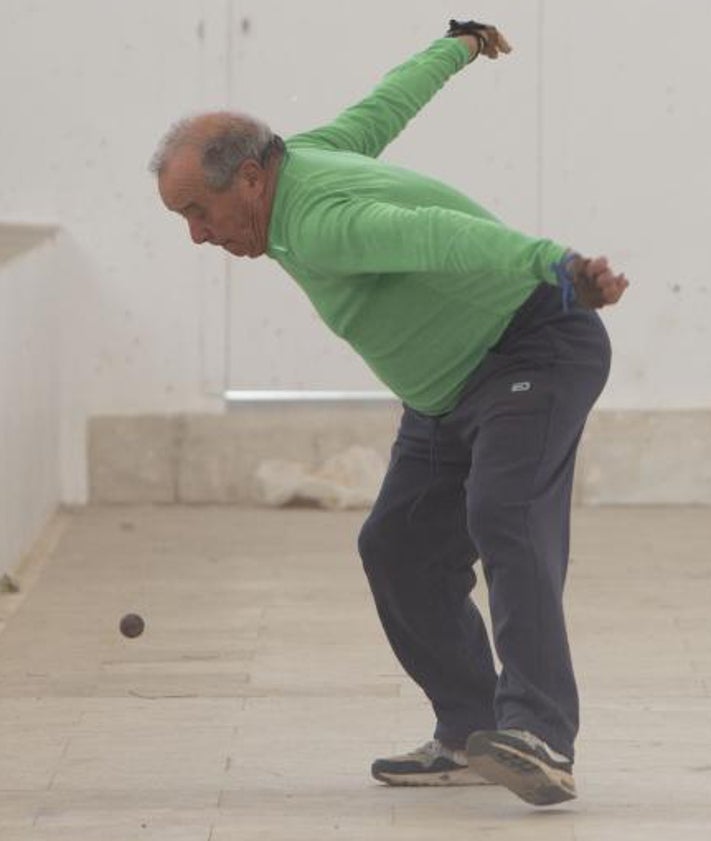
[{"x": 350, "y": 479}]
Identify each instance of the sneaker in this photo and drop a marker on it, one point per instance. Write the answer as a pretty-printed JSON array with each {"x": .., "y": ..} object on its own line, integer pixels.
[
  {"x": 433, "y": 764},
  {"x": 524, "y": 764}
]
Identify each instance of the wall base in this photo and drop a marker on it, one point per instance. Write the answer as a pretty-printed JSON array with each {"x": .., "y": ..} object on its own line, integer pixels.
[{"x": 625, "y": 458}]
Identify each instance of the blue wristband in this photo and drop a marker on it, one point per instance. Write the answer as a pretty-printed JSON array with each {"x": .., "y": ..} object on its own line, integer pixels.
[{"x": 565, "y": 280}]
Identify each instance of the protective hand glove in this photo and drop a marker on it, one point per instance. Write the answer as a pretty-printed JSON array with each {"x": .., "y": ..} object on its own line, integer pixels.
[{"x": 491, "y": 41}]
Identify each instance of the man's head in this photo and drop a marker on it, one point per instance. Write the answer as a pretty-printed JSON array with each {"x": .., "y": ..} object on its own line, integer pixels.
[{"x": 214, "y": 170}]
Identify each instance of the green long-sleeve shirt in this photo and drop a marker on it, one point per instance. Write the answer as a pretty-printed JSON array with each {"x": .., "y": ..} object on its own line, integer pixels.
[{"x": 415, "y": 276}]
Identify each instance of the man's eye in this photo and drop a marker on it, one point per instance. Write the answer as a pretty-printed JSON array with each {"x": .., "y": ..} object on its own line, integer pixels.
[{"x": 194, "y": 212}]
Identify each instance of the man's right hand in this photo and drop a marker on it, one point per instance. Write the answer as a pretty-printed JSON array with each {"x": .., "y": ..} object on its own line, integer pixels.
[{"x": 479, "y": 37}]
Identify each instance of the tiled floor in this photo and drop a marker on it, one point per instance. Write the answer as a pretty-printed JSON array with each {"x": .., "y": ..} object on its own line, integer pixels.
[{"x": 252, "y": 706}]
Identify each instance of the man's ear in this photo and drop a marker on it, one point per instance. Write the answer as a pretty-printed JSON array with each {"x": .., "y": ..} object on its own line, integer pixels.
[{"x": 252, "y": 174}]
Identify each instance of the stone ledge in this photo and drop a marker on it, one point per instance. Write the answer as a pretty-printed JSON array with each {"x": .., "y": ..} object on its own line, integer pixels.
[
  {"x": 134, "y": 459},
  {"x": 646, "y": 458},
  {"x": 17, "y": 238},
  {"x": 626, "y": 457},
  {"x": 212, "y": 458}
]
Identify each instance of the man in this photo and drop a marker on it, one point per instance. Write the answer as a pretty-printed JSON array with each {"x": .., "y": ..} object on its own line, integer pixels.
[{"x": 490, "y": 339}]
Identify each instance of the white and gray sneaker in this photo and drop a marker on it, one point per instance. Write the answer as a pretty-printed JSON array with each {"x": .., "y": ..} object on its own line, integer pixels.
[
  {"x": 433, "y": 764},
  {"x": 524, "y": 764}
]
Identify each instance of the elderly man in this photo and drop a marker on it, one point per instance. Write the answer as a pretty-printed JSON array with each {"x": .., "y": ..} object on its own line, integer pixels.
[{"x": 490, "y": 339}]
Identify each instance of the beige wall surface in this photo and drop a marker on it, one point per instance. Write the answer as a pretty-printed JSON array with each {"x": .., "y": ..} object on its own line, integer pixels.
[{"x": 589, "y": 133}]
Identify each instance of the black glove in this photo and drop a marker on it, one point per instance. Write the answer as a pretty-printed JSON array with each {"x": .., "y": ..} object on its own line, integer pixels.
[{"x": 491, "y": 41}]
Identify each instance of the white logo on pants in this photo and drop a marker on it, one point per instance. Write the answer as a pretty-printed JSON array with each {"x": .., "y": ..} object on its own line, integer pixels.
[{"x": 525, "y": 386}]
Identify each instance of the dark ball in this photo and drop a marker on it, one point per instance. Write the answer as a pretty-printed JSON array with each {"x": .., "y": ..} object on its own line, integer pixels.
[{"x": 132, "y": 625}]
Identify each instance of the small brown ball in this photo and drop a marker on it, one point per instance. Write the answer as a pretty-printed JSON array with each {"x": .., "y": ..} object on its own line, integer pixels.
[{"x": 132, "y": 625}]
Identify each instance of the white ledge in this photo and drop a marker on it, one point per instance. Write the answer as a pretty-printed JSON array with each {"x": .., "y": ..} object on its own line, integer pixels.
[
  {"x": 263, "y": 396},
  {"x": 19, "y": 237}
]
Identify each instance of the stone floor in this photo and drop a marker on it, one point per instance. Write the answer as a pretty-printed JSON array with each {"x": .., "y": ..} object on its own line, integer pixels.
[{"x": 262, "y": 688}]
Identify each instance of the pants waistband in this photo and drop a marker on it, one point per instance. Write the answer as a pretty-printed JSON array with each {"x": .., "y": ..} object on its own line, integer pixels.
[{"x": 543, "y": 301}]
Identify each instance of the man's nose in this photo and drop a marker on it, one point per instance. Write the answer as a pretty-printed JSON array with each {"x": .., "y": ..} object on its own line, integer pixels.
[{"x": 199, "y": 232}]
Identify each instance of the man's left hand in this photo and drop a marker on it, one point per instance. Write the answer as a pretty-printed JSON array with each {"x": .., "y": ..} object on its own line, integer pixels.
[{"x": 596, "y": 285}]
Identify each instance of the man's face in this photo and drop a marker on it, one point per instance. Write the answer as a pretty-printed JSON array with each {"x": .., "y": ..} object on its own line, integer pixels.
[{"x": 228, "y": 218}]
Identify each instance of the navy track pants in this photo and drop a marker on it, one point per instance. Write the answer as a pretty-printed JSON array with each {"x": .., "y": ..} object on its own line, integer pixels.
[{"x": 491, "y": 480}]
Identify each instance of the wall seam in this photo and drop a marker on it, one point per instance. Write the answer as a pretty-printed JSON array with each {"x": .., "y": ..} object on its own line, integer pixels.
[{"x": 540, "y": 116}]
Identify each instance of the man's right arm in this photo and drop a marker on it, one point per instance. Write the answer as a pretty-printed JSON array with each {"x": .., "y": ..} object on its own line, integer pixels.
[{"x": 371, "y": 124}]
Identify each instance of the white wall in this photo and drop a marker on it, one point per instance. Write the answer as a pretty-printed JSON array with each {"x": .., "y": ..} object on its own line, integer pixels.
[
  {"x": 47, "y": 347},
  {"x": 94, "y": 85},
  {"x": 30, "y": 401},
  {"x": 596, "y": 131},
  {"x": 627, "y": 170}
]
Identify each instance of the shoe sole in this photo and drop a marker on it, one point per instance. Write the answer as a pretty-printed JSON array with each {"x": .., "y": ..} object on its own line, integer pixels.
[
  {"x": 522, "y": 773},
  {"x": 464, "y": 777}
]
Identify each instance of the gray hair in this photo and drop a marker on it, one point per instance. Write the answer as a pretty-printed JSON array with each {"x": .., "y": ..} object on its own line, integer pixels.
[{"x": 224, "y": 140}]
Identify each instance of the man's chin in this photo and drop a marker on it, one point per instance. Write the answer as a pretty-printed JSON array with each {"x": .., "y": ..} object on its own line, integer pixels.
[{"x": 237, "y": 253}]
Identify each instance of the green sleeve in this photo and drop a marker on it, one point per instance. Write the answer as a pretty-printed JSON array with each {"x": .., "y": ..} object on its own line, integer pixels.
[
  {"x": 370, "y": 125},
  {"x": 364, "y": 237}
]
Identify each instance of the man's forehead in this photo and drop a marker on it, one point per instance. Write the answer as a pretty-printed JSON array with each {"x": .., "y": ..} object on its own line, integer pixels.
[{"x": 181, "y": 180}]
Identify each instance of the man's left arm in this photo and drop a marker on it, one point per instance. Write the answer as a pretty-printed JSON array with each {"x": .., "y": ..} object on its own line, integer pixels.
[{"x": 371, "y": 237}]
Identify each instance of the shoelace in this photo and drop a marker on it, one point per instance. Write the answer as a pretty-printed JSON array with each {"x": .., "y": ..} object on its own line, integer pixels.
[
  {"x": 432, "y": 748},
  {"x": 435, "y": 748},
  {"x": 535, "y": 742}
]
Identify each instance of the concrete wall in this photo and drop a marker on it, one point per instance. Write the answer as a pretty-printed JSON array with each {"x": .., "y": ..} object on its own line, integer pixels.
[
  {"x": 30, "y": 373},
  {"x": 213, "y": 459},
  {"x": 625, "y": 458},
  {"x": 590, "y": 133},
  {"x": 94, "y": 85}
]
